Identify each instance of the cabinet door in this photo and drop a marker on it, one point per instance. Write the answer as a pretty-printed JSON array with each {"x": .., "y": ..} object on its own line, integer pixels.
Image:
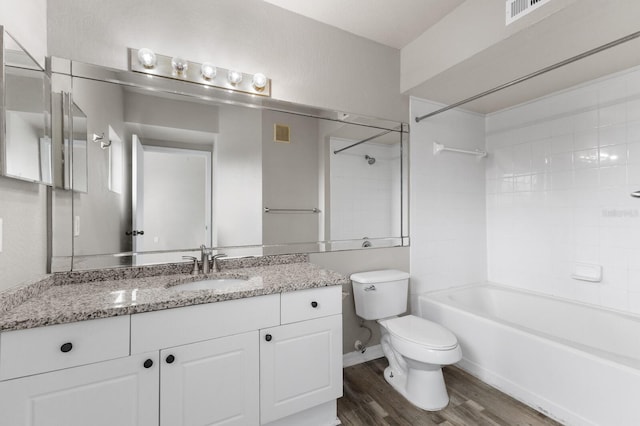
[
  {"x": 121, "y": 392},
  {"x": 214, "y": 382},
  {"x": 300, "y": 366}
]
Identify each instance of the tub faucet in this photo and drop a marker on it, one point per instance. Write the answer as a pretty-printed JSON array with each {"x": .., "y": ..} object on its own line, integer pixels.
[{"x": 205, "y": 259}]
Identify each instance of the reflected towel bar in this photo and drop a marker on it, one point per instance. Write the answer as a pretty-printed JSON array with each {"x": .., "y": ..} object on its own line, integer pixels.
[
  {"x": 313, "y": 210},
  {"x": 438, "y": 148}
]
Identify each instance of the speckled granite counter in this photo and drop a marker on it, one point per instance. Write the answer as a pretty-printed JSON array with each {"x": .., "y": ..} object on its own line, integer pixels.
[{"x": 77, "y": 296}]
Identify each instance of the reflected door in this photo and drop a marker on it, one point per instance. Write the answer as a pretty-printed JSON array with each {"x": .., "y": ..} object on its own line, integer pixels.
[{"x": 171, "y": 198}]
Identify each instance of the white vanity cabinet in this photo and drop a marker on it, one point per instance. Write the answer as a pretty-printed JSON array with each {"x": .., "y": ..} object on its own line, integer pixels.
[
  {"x": 122, "y": 392},
  {"x": 215, "y": 380},
  {"x": 301, "y": 360},
  {"x": 207, "y": 364},
  {"x": 211, "y": 383}
]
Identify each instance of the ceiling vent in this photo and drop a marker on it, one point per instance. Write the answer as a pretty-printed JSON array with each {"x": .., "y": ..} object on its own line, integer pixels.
[{"x": 516, "y": 9}]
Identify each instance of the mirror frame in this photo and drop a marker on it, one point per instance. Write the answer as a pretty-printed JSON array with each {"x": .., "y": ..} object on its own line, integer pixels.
[{"x": 73, "y": 69}]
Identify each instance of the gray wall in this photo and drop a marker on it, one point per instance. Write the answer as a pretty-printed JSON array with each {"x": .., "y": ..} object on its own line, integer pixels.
[
  {"x": 290, "y": 179},
  {"x": 100, "y": 210},
  {"x": 237, "y": 177}
]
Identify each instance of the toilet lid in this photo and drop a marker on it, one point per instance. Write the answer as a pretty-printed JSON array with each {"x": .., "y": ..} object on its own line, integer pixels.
[{"x": 423, "y": 332}]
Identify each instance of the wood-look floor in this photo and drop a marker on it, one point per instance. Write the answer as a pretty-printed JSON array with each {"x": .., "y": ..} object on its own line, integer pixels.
[{"x": 370, "y": 401}]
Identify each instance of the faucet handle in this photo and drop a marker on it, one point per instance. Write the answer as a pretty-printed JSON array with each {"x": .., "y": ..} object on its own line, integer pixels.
[
  {"x": 195, "y": 269},
  {"x": 214, "y": 260}
]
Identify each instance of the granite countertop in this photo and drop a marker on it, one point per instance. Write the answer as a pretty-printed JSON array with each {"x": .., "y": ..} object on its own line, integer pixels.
[{"x": 77, "y": 296}]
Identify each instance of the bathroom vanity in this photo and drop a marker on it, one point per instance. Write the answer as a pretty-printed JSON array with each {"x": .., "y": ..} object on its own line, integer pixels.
[{"x": 269, "y": 354}]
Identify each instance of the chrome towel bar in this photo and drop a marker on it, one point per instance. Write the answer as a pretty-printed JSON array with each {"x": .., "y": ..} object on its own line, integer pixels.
[{"x": 313, "y": 210}]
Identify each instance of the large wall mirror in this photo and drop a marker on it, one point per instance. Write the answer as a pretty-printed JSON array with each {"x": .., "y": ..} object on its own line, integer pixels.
[
  {"x": 172, "y": 165},
  {"x": 26, "y": 150}
]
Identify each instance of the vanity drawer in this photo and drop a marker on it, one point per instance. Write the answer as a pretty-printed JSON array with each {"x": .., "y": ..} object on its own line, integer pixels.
[
  {"x": 54, "y": 347},
  {"x": 312, "y": 303},
  {"x": 151, "y": 331}
]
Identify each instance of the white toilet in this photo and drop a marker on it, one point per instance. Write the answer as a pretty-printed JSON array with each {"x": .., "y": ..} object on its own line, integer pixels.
[{"x": 415, "y": 347}]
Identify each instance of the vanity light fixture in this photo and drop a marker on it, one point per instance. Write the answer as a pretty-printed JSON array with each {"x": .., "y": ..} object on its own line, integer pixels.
[
  {"x": 207, "y": 74},
  {"x": 208, "y": 71},
  {"x": 234, "y": 77},
  {"x": 179, "y": 65},
  {"x": 259, "y": 81},
  {"x": 147, "y": 58}
]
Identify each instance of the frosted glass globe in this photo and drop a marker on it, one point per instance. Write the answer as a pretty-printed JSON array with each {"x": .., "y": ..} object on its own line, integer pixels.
[
  {"x": 259, "y": 81},
  {"x": 208, "y": 70},
  {"x": 179, "y": 65},
  {"x": 147, "y": 58},
  {"x": 234, "y": 77}
]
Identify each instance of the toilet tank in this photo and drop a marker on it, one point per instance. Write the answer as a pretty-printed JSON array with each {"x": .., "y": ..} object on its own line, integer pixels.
[{"x": 380, "y": 294}]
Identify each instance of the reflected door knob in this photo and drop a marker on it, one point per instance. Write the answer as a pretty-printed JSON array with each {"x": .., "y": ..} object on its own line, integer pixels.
[
  {"x": 268, "y": 337},
  {"x": 314, "y": 304},
  {"x": 148, "y": 363}
]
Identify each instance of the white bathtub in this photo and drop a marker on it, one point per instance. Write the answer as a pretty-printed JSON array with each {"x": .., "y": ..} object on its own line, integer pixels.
[{"x": 576, "y": 363}]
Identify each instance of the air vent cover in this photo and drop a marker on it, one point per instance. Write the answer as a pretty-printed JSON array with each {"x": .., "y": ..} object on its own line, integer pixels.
[
  {"x": 281, "y": 133},
  {"x": 516, "y": 9}
]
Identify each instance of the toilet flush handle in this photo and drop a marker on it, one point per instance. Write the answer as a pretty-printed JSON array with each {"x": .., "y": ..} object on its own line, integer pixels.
[{"x": 370, "y": 288}]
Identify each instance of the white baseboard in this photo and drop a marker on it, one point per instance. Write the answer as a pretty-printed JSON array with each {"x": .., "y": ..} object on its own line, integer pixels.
[{"x": 356, "y": 357}]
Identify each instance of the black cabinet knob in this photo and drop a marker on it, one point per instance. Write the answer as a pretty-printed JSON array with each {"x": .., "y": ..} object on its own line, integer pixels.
[
  {"x": 314, "y": 304},
  {"x": 170, "y": 359},
  {"x": 66, "y": 347},
  {"x": 148, "y": 363},
  {"x": 268, "y": 337}
]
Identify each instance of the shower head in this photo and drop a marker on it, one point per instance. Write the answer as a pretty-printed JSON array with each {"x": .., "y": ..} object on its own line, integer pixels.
[{"x": 369, "y": 159}]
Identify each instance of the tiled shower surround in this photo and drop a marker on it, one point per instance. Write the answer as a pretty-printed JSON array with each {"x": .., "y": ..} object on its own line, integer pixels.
[{"x": 558, "y": 181}]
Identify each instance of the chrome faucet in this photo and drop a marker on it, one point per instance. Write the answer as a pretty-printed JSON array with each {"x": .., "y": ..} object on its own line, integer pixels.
[{"x": 205, "y": 256}]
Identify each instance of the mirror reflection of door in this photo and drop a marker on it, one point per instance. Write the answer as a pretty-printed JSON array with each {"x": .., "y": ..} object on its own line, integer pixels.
[{"x": 171, "y": 197}]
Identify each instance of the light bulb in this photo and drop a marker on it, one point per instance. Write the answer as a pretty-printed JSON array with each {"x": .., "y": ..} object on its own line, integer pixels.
[
  {"x": 208, "y": 70},
  {"x": 259, "y": 81},
  {"x": 234, "y": 77},
  {"x": 147, "y": 58},
  {"x": 179, "y": 65}
]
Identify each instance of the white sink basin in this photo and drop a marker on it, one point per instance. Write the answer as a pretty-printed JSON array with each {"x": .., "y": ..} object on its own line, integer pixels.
[{"x": 230, "y": 284}]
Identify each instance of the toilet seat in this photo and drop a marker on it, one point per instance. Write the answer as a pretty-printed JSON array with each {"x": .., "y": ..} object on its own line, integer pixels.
[{"x": 422, "y": 332}]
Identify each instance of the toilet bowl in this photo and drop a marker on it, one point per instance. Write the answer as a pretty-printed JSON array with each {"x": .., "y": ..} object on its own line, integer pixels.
[
  {"x": 418, "y": 348},
  {"x": 415, "y": 347}
]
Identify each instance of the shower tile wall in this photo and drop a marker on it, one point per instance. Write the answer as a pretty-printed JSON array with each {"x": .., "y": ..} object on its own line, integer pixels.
[
  {"x": 558, "y": 180},
  {"x": 448, "y": 239}
]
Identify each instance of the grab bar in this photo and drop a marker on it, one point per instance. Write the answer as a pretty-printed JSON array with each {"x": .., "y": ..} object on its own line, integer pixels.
[{"x": 313, "y": 210}]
